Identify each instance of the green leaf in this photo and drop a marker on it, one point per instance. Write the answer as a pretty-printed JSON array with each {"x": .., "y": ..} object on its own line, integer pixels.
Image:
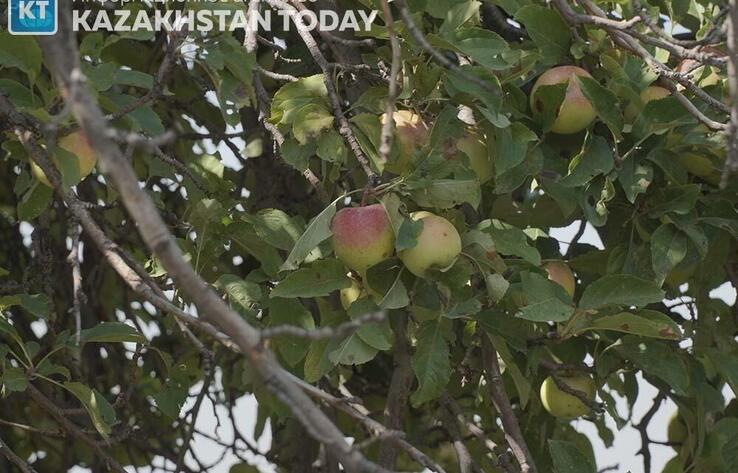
[
  {"x": 243, "y": 468},
  {"x": 332, "y": 148},
  {"x": 36, "y": 304},
  {"x": 483, "y": 46},
  {"x": 668, "y": 248},
  {"x": 567, "y": 458},
  {"x": 242, "y": 295},
  {"x": 678, "y": 199},
  {"x": 112, "y": 332},
  {"x": 246, "y": 238},
  {"x": 447, "y": 193},
  {"x": 99, "y": 409},
  {"x": 407, "y": 236},
  {"x": 594, "y": 159},
  {"x": 385, "y": 279},
  {"x": 512, "y": 146},
  {"x": 646, "y": 323},
  {"x": 14, "y": 379},
  {"x": 547, "y": 301},
  {"x": 293, "y": 96},
  {"x": 510, "y": 240},
  {"x": 310, "y": 122},
  {"x": 21, "y": 52},
  {"x": 320, "y": 279},
  {"x": 547, "y": 30},
  {"x": 34, "y": 202},
  {"x": 290, "y": 312},
  {"x": 431, "y": 363},
  {"x": 171, "y": 399},
  {"x": 352, "y": 350},
  {"x": 604, "y": 102},
  {"x": 620, "y": 289},
  {"x": 658, "y": 359},
  {"x": 377, "y": 335},
  {"x": 318, "y": 230}
]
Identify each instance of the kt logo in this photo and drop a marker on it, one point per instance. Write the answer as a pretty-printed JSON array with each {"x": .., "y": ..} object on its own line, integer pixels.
[{"x": 32, "y": 17}]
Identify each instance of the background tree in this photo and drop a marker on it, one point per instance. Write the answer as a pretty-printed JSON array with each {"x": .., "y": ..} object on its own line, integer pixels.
[{"x": 449, "y": 333}]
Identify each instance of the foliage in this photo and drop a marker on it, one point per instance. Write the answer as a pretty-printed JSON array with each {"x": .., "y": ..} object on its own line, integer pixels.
[{"x": 251, "y": 126}]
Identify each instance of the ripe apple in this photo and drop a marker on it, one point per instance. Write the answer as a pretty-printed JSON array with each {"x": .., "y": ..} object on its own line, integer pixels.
[
  {"x": 76, "y": 144},
  {"x": 561, "y": 404},
  {"x": 652, "y": 92},
  {"x": 676, "y": 431},
  {"x": 437, "y": 246},
  {"x": 351, "y": 294},
  {"x": 476, "y": 149},
  {"x": 560, "y": 273},
  {"x": 575, "y": 112},
  {"x": 411, "y": 133},
  {"x": 362, "y": 236}
]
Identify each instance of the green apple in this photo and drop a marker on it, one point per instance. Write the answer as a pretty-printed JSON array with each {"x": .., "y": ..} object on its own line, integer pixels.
[
  {"x": 576, "y": 112},
  {"x": 411, "y": 133},
  {"x": 78, "y": 145},
  {"x": 362, "y": 236},
  {"x": 562, "y": 404},
  {"x": 438, "y": 245},
  {"x": 560, "y": 273},
  {"x": 476, "y": 149}
]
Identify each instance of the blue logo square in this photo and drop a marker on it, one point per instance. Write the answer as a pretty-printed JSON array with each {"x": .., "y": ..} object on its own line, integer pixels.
[{"x": 33, "y": 17}]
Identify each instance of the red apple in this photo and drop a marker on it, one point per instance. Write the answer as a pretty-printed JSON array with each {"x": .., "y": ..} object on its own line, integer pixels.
[{"x": 362, "y": 236}]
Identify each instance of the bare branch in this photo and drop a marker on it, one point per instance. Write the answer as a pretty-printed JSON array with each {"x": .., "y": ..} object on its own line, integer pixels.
[
  {"x": 731, "y": 163},
  {"x": 385, "y": 140},
  {"x": 73, "y": 429}
]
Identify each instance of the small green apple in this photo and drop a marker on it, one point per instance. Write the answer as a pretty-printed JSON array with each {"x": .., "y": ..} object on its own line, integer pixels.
[
  {"x": 561, "y": 404},
  {"x": 476, "y": 149},
  {"x": 652, "y": 92},
  {"x": 576, "y": 112},
  {"x": 411, "y": 133},
  {"x": 438, "y": 245},
  {"x": 362, "y": 236}
]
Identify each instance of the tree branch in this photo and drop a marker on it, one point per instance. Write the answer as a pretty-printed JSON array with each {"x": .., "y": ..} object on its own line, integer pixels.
[{"x": 509, "y": 422}]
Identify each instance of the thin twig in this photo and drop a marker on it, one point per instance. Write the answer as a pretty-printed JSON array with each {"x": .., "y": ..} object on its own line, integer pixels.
[
  {"x": 321, "y": 333},
  {"x": 15, "y": 459},
  {"x": 513, "y": 434}
]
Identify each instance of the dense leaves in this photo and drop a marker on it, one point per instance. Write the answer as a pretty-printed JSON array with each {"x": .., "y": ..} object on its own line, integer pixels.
[{"x": 261, "y": 163}]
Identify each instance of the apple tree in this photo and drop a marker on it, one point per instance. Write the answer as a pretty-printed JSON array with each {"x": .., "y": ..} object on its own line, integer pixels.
[{"x": 358, "y": 235}]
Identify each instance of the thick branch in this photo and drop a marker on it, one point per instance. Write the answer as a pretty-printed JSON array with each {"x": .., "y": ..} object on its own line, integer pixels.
[{"x": 62, "y": 56}]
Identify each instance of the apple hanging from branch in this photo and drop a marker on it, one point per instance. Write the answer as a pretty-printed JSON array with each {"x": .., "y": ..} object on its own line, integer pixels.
[
  {"x": 562, "y": 404},
  {"x": 362, "y": 236},
  {"x": 576, "y": 112},
  {"x": 438, "y": 245}
]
